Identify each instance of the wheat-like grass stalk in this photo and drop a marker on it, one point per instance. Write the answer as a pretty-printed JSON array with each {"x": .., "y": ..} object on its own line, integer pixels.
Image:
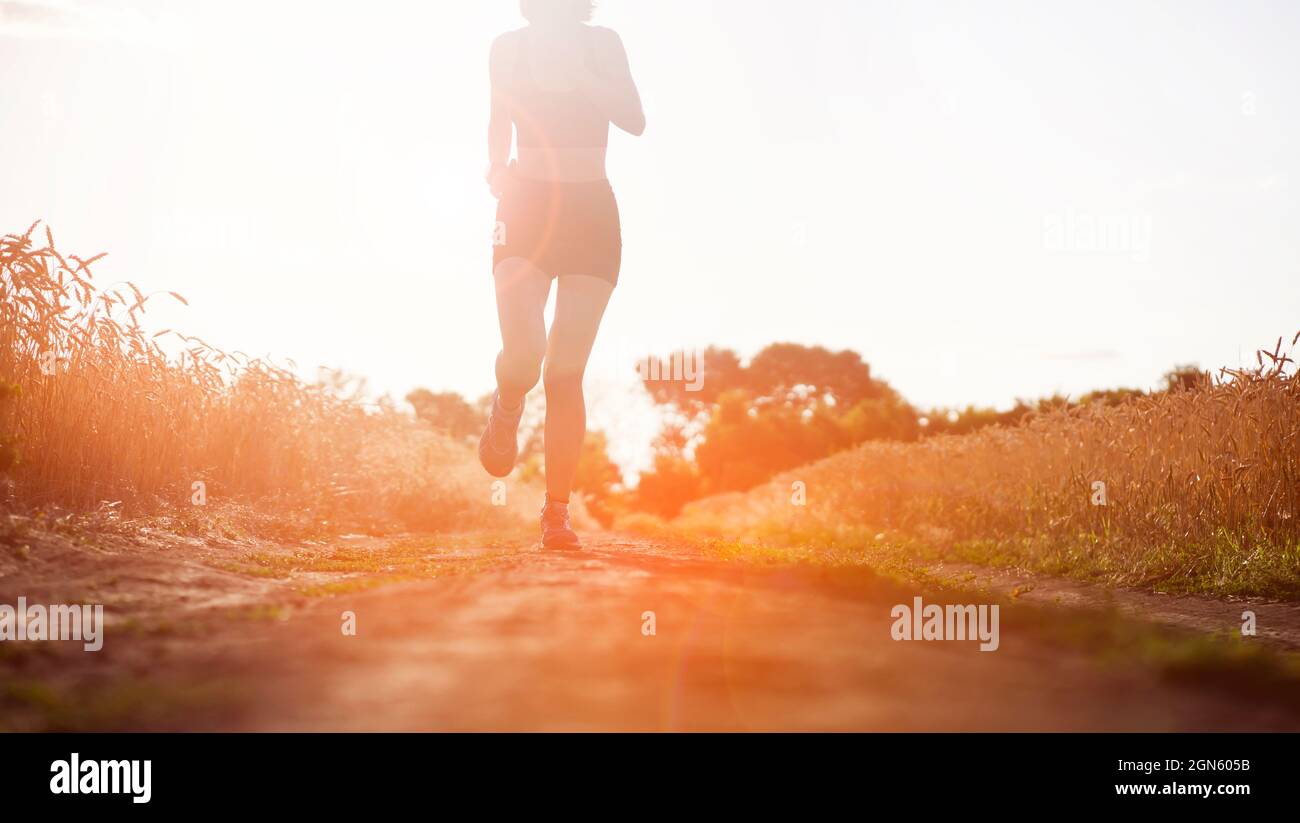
[
  {"x": 100, "y": 412},
  {"x": 1202, "y": 489}
]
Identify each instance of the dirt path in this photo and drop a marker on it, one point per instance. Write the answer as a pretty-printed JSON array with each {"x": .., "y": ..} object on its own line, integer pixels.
[{"x": 532, "y": 640}]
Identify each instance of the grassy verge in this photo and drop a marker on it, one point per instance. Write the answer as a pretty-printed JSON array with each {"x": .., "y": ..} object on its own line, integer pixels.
[{"x": 1193, "y": 490}]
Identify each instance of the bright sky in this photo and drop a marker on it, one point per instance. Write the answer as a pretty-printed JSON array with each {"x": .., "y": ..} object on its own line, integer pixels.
[{"x": 913, "y": 180}]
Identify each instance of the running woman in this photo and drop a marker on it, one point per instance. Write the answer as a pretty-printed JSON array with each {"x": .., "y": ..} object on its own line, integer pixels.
[{"x": 558, "y": 84}]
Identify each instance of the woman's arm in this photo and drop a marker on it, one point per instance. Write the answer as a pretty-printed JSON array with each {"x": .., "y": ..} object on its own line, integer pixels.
[
  {"x": 500, "y": 128},
  {"x": 612, "y": 86}
]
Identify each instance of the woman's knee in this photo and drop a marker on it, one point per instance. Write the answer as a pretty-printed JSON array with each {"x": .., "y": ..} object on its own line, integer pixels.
[
  {"x": 520, "y": 366},
  {"x": 562, "y": 377}
]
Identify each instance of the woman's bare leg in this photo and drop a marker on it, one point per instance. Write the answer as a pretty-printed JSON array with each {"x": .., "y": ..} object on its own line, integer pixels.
[
  {"x": 522, "y": 290},
  {"x": 579, "y": 306},
  {"x": 521, "y": 303}
]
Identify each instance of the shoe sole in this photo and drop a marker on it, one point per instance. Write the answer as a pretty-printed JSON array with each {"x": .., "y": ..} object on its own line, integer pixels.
[
  {"x": 492, "y": 468},
  {"x": 557, "y": 545}
]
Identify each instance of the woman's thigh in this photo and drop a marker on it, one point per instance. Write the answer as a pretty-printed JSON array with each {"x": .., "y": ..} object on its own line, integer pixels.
[
  {"x": 522, "y": 291},
  {"x": 579, "y": 306}
]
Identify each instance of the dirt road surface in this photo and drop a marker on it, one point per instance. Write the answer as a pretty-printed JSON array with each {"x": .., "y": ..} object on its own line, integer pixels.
[{"x": 516, "y": 638}]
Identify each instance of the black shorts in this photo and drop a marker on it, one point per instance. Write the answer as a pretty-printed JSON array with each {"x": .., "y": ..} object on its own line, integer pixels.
[{"x": 563, "y": 228}]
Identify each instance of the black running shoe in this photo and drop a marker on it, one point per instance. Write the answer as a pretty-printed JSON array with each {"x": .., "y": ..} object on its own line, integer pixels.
[
  {"x": 557, "y": 532},
  {"x": 499, "y": 446}
]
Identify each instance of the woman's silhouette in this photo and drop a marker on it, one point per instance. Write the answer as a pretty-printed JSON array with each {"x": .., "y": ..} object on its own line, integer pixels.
[{"x": 559, "y": 83}]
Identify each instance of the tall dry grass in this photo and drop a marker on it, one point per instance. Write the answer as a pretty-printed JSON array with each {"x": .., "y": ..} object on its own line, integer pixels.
[
  {"x": 98, "y": 413},
  {"x": 1202, "y": 491}
]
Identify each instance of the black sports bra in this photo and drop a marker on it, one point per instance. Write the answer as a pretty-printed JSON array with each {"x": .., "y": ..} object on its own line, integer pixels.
[{"x": 547, "y": 119}]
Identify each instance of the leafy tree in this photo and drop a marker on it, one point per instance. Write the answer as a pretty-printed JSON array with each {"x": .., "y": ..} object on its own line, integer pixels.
[
  {"x": 672, "y": 484},
  {"x": 448, "y": 412},
  {"x": 791, "y": 404},
  {"x": 803, "y": 375},
  {"x": 669, "y": 384},
  {"x": 1185, "y": 378},
  {"x": 887, "y": 417},
  {"x": 1110, "y": 397},
  {"x": 597, "y": 476}
]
